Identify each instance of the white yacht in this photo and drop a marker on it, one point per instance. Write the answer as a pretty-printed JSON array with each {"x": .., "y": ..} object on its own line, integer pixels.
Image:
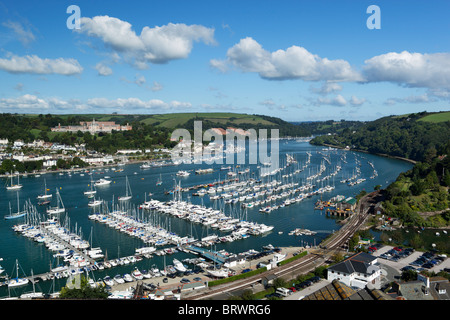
[
  {"x": 13, "y": 186},
  {"x": 137, "y": 274},
  {"x": 108, "y": 281},
  {"x": 178, "y": 265},
  {"x": 95, "y": 203},
  {"x": 127, "y": 277},
  {"x": 128, "y": 194},
  {"x": 44, "y": 196},
  {"x": 102, "y": 182},
  {"x": 92, "y": 191},
  {"x": 119, "y": 279},
  {"x": 59, "y": 205},
  {"x": 16, "y": 282},
  {"x": 222, "y": 273},
  {"x": 182, "y": 173}
]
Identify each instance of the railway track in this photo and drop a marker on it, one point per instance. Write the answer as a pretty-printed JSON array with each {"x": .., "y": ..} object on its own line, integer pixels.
[{"x": 301, "y": 265}]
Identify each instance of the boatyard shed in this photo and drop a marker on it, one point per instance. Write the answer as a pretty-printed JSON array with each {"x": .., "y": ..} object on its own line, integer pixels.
[
  {"x": 347, "y": 204},
  {"x": 234, "y": 261}
]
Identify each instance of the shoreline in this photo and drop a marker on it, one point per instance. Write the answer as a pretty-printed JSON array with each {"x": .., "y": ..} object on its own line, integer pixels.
[
  {"x": 376, "y": 154},
  {"x": 78, "y": 169}
]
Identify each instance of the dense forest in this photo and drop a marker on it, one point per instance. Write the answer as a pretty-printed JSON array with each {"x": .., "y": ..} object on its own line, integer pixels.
[
  {"x": 422, "y": 189},
  {"x": 401, "y": 136},
  {"x": 29, "y": 128},
  {"x": 329, "y": 126}
]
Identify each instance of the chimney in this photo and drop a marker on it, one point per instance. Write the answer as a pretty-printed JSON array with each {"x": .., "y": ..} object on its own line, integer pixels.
[{"x": 425, "y": 279}]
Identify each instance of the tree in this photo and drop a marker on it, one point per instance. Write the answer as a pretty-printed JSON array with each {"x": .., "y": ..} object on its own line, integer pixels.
[
  {"x": 409, "y": 275},
  {"x": 279, "y": 283},
  {"x": 84, "y": 291}
]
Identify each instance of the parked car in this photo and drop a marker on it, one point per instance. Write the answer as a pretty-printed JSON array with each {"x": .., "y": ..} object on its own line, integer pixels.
[{"x": 406, "y": 268}]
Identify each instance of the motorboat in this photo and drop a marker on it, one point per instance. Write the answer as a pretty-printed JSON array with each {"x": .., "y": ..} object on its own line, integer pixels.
[
  {"x": 108, "y": 281},
  {"x": 127, "y": 277},
  {"x": 102, "y": 182},
  {"x": 137, "y": 274},
  {"x": 119, "y": 279},
  {"x": 179, "y": 266},
  {"x": 183, "y": 173}
]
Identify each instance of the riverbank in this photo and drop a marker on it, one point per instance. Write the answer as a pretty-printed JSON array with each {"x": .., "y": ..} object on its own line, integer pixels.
[
  {"x": 377, "y": 154},
  {"x": 87, "y": 168}
]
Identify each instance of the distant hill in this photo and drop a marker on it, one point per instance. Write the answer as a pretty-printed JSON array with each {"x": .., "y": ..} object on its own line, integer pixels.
[
  {"x": 414, "y": 136},
  {"x": 147, "y": 130},
  {"x": 186, "y": 120}
]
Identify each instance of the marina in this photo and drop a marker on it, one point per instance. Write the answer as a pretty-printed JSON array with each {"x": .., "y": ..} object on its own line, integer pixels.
[{"x": 199, "y": 219}]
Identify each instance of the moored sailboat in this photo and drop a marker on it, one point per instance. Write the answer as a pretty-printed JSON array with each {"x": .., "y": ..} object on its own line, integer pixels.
[
  {"x": 59, "y": 205},
  {"x": 17, "y": 282},
  {"x": 128, "y": 194}
]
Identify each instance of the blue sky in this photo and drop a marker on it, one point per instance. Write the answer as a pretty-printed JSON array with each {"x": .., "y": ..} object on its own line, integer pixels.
[{"x": 297, "y": 60}]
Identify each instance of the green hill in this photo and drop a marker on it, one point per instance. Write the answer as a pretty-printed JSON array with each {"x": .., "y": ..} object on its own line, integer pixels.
[
  {"x": 436, "y": 117},
  {"x": 411, "y": 136},
  {"x": 147, "y": 130}
]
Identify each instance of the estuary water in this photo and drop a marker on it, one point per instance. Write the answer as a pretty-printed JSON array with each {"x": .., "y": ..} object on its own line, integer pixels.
[{"x": 36, "y": 257}]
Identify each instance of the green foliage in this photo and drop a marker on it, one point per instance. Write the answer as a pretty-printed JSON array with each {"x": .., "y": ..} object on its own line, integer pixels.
[
  {"x": 298, "y": 256},
  {"x": 421, "y": 189},
  {"x": 396, "y": 136},
  {"x": 84, "y": 292},
  {"x": 409, "y": 275}
]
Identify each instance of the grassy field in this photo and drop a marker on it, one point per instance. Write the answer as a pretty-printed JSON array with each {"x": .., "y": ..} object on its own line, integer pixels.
[
  {"x": 173, "y": 120},
  {"x": 437, "y": 117}
]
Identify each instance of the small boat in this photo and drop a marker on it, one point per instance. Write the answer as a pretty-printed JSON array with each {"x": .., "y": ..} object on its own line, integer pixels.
[
  {"x": 44, "y": 196},
  {"x": 178, "y": 265},
  {"x": 222, "y": 273},
  {"x": 17, "y": 282},
  {"x": 95, "y": 203},
  {"x": 108, "y": 281},
  {"x": 13, "y": 186},
  {"x": 137, "y": 274},
  {"x": 59, "y": 205},
  {"x": 119, "y": 279},
  {"x": 102, "y": 182},
  {"x": 145, "y": 165},
  {"x": 128, "y": 194},
  {"x": 17, "y": 214},
  {"x": 92, "y": 191},
  {"x": 127, "y": 277},
  {"x": 182, "y": 173}
]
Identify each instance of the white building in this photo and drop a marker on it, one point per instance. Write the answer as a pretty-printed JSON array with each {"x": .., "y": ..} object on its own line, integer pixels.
[{"x": 356, "y": 271}]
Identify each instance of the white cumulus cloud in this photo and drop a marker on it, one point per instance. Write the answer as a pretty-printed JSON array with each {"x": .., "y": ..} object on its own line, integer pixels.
[
  {"x": 36, "y": 65},
  {"x": 159, "y": 44},
  {"x": 293, "y": 63},
  {"x": 410, "y": 69}
]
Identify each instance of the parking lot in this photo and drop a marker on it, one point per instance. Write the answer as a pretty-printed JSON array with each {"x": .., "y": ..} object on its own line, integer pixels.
[{"x": 402, "y": 262}]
